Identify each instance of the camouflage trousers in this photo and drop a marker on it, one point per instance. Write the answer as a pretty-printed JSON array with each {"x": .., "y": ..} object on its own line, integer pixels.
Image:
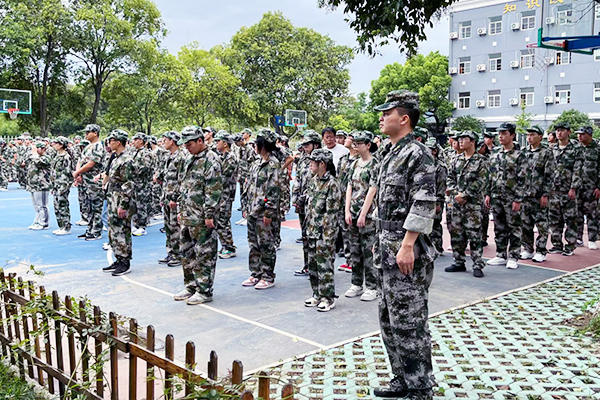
[
  {"x": 263, "y": 250},
  {"x": 155, "y": 208},
  {"x": 403, "y": 312},
  {"x": 199, "y": 258},
  {"x": 142, "y": 199},
  {"x": 534, "y": 215},
  {"x": 83, "y": 205},
  {"x": 22, "y": 177},
  {"x": 507, "y": 229},
  {"x": 321, "y": 254},
  {"x": 437, "y": 232},
  {"x": 562, "y": 212},
  {"x": 360, "y": 247},
  {"x": 172, "y": 230},
  {"x": 4, "y": 175},
  {"x": 61, "y": 208},
  {"x": 93, "y": 199},
  {"x": 302, "y": 217},
  {"x": 223, "y": 224},
  {"x": 285, "y": 198},
  {"x": 588, "y": 208},
  {"x": 466, "y": 229},
  {"x": 485, "y": 224},
  {"x": 119, "y": 230}
]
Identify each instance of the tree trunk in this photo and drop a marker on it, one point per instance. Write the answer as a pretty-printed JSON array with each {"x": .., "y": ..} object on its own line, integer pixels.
[{"x": 97, "y": 94}]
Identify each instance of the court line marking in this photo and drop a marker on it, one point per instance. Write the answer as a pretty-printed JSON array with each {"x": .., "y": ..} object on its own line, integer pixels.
[
  {"x": 17, "y": 199},
  {"x": 225, "y": 313}
]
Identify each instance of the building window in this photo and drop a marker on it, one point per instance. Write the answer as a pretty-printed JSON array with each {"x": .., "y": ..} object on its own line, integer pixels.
[
  {"x": 527, "y": 96},
  {"x": 563, "y": 57},
  {"x": 495, "y": 62},
  {"x": 495, "y": 25},
  {"x": 528, "y": 20},
  {"x": 597, "y": 92},
  {"x": 464, "y": 30},
  {"x": 563, "y": 94},
  {"x": 464, "y": 100},
  {"x": 564, "y": 15},
  {"x": 464, "y": 65},
  {"x": 494, "y": 99},
  {"x": 527, "y": 59}
]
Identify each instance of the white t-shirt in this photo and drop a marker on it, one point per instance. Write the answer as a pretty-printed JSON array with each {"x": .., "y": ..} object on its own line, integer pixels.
[{"x": 338, "y": 152}]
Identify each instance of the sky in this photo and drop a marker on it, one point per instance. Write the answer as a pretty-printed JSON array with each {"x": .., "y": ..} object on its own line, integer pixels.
[{"x": 212, "y": 22}]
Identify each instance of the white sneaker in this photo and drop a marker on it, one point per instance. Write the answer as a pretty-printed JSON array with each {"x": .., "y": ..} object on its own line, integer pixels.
[
  {"x": 369, "y": 295},
  {"x": 497, "y": 261},
  {"x": 81, "y": 222},
  {"x": 33, "y": 226},
  {"x": 525, "y": 255},
  {"x": 311, "y": 302},
  {"x": 326, "y": 305},
  {"x": 38, "y": 227},
  {"x": 104, "y": 228},
  {"x": 61, "y": 232},
  {"x": 512, "y": 264},
  {"x": 106, "y": 246},
  {"x": 138, "y": 232},
  {"x": 243, "y": 221},
  {"x": 3, "y": 189},
  {"x": 354, "y": 291},
  {"x": 539, "y": 257},
  {"x": 592, "y": 246}
]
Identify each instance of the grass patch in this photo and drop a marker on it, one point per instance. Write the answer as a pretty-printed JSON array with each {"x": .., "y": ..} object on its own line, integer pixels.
[{"x": 13, "y": 387}]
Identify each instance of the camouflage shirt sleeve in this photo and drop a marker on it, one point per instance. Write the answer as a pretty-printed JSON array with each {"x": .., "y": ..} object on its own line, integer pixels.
[{"x": 213, "y": 183}]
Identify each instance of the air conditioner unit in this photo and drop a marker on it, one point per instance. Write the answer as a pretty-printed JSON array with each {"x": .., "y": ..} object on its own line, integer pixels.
[
  {"x": 480, "y": 67},
  {"x": 548, "y": 99},
  {"x": 481, "y": 31},
  {"x": 514, "y": 101},
  {"x": 549, "y": 60},
  {"x": 453, "y": 70},
  {"x": 515, "y": 26},
  {"x": 454, "y": 105},
  {"x": 480, "y": 103},
  {"x": 453, "y": 35},
  {"x": 514, "y": 64},
  {"x": 550, "y": 20}
]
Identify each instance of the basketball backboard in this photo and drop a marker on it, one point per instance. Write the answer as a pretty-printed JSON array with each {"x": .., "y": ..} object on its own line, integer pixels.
[
  {"x": 15, "y": 98},
  {"x": 570, "y": 25},
  {"x": 295, "y": 118}
]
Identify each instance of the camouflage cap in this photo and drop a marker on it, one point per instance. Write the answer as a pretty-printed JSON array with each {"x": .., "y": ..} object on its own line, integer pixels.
[
  {"x": 284, "y": 138},
  {"x": 140, "y": 135},
  {"x": 63, "y": 141},
  {"x": 40, "y": 144},
  {"x": 84, "y": 143},
  {"x": 585, "y": 130},
  {"x": 507, "y": 126},
  {"x": 237, "y": 137},
  {"x": 489, "y": 134},
  {"x": 431, "y": 143},
  {"x": 363, "y": 136},
  {"x": 247, "y": 130},
  {"x": 399, "y": 98},
  {"x": 190, "y": 133},
  {"x": 562, "y": 125},
  {"x": 470, "y": 134},
  {"x": 268, "y": 135},
  {"x": 341, "y": 133},
  {"x": 152, "y": 139},
  {"x": 174, "y": 136},
  {"x": 535, "y": 129},
  {"x": 77, "y": 137},
  {"x": 92, "y": 128},
  {"x": 310, "y": 136},
  {"x": 298, "y": 146},
  {"x": 421, "y": 132},
  {"x": 209, "y": 129},
  {"x": 321, "y": 155},
  {"x": 2, "y": 141},
  {"x": 118, "y": 134},
  {"x": 224, "y": 136}
]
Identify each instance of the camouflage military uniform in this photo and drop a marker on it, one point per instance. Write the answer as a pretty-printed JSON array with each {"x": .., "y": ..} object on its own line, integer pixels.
[
  {"x": 39, "y": 184},
  {"x": 561, "y": 209},
  {"x": 441, "y": 174},
  {"x": 142, "y": 166},
  {"x": 119, "y": 195},
  {"x": 587, "y": 204},
  {"x": 170, "y": 180},
  {"x": 506, "y": 187},
  {"x": 4, "y": 165},
  {"x": 62, "y": 179},
  {"x": 200, "y": 193},
  {"x": 303, "y": 176},
  {"x": 538, "y": 183},
  {"x": 229, "y": 165},
  {"x": 23, "y": 154},
  {"x": 93, "y": 195},
  {"x": 245, "y": 160},
  {"x": 159, "y": 157},
  {"x": 343, "y": 175},
  {"x": 284, "y": 178}
]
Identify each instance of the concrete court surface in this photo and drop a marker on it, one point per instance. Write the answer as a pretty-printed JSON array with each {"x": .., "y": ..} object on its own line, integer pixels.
[{"x": 259, "y": 328}]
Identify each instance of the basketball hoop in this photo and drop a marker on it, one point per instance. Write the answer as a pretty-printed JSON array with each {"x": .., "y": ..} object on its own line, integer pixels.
[{"x": 13, "y": 113}]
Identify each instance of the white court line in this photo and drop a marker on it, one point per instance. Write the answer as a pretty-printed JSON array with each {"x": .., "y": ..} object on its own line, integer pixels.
[
  {"x": 17, "y": 199},
  {"x": 225, "y": 313}
]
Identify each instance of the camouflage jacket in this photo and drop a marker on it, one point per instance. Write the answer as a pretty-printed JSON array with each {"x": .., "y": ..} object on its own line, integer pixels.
[
  {"x": 93, "y": 152},
  {"x": 343, "y": 170},
  {"x": 568, "y": 163},
  {"x": 229, "y": 165},
  {"x": 590, "y": 171},
  {"x": 506, "y": 175},
  {"x": 303, "y": 176},
  {"x": 538, "y": 172},
  {"x": 120, "y": 187},
  {"x": 360, "y": 178},
  {"x": 169, "y": 175},
  {"x": 441, "y": 175},
  {"x": 38, "y": 173},
  {"x": 61, "y": 172},
  {"x": 200, "y": 188},
  {"x": 263, "y": 189},
  {"x": 468, "y": 176},
  {"x": 143, "y": 163},
  {"x": 323, "y": 208},
  {"x": 406, "y": 187}
]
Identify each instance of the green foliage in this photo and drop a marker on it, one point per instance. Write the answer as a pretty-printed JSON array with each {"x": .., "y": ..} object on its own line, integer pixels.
[
  {"x": 379, "y": 22},
  {"x": 355, "y": 113},
  {"x": 523, "y": 121},
  {"x": 577, "y": 119},
  {"x": 468, "y": 123},
  {"x": 8, "y": 127},
  {"x": 12, "y": 387}
]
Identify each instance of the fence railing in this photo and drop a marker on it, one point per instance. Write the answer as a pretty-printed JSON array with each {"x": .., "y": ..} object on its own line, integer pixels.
[{"x": 75, "y": 350}]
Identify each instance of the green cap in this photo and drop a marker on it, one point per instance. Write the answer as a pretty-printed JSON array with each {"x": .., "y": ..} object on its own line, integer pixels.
[
  {"x": 63, "y": 141},
  {"x": 174, "y": 136},
  {"x": 40, "y": 144},
  {"x": 341, "y": 133},
  {"x": 536, "y": 129},
  {"x": 321, "y": 155},
  {"x": 190, "y": 133},
  {"x": 431, "y": 143},
  {"x": 489, "y": 134},
  {"x": 268, "y": 135},
  {"x": 224, "y": 136},
  {"x": 507, "y": 126},
  {"x": 310, "y": 136},
  {"x": 247, "y": 130},
  {"x": 92, "y": 128},
  {"x": 399, "y": 98},
  {"x": 421, "y": 132},
  {"x": 140, "y": 135},
  {"x": 588, "y": 130},
  {"x": 118, "y": 134},
  {"x": 470, "y": 134},
  {"x": 562, "y": 125},
  {"x": 363, "y": 136}
]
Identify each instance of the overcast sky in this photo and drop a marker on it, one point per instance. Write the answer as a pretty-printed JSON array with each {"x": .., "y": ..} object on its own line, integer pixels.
[{"x": 214, "y": 22}]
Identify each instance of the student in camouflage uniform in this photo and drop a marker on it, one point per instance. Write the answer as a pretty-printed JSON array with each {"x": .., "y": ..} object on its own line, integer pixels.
[
  {"x": 83, "y": 205},
  {"x": 466, "y": 185},
  {"x": 39, "y": 184},
  {"x": 588, "y": 195},
  {"x": 4, "y": 165},
  {"x": 200, "y": 193},
  {"x": 62, "y": 179},
  {"x": 229, "y": 164},
  {"x": 538, "y": 180},
  {"x": 286, "y": 163},
  {"x": 87, "y": 177},
  {"x": 488, "y": 143},
  {"x": 566, "y": 181},
  {"x": 262, "y": 212},
  {"x": 406, "y": 208},
  {"x": 342, "y": 174},
  {"x": 169, "y": 176},
  {"x": 142, "y": 179},
  {"x": 441, "y": 173},
  {"x": 159, "y": 154},
  {"x": 505, "y": 197},
  {"x": 359, "y": 218},
  {"x": 118, "y": 182},
  {"x": 246, "y": 156}
]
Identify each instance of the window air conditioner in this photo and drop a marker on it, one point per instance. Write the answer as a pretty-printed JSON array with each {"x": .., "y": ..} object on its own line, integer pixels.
[
  {"x": 481, "y": 31},
  {"x": 480, "y": 67},
  {"x": 453, "y": 71},
  {"x": 548, "y": 99},
  {"x": 514, "y": 101},
  {"x": 515, "y": 26},
  {"x": 480, "y": 103},
  {"x": 453, "y": 35},
  {"x": 514, "y": 64},
  {"x": 550, "y": 20}
]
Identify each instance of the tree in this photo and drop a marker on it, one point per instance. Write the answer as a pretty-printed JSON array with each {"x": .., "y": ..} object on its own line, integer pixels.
[
  {"x": 427, "y": 75},
  {"x": 575, "y": 118},
  {"x": 468, "y": 123},
  {"x": 355, "y": 113},
  {"x": 523, "y": 120},
  {"x": 281, "y": 66},
  {"x": 377, "y": 22},
  {"x": 106, "y": 32}
]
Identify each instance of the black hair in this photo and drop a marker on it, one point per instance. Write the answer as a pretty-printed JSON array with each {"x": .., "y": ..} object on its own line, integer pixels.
[
  {"x": 413, "y": 114},
  {"x": 330, "y": 167},
  {"x": 261, "y": 143},
  {"x": 328, "y": 129},
  {"x": 373, "y": 147}
]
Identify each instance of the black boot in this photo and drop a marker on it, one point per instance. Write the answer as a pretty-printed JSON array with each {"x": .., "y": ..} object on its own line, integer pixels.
[
  {"x": 394, "y": 389},
  {"x": 455, "y": 268},
  {"x": 112, "y": 267},
  {"x": 123, "y": 268}
]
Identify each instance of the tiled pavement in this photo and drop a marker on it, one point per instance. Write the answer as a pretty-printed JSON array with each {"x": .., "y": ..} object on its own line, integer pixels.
[{"x": 515, "y": 346}]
